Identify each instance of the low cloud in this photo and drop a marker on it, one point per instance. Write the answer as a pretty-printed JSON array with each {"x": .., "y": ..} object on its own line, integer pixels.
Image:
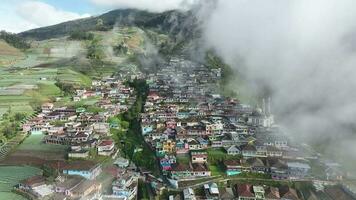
[
  {"x": 41, "y": 14},
  {"x": 303, "y": 51},
  {"x": 150, "y": 5}
]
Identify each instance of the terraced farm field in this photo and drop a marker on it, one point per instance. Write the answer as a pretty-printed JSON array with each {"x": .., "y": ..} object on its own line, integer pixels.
[
  {"x": 35, "y": 153},
  {"x": 34, "y": 143},
  {"x": 12, "y": 175},
  {"x": 19, "y": 88}
]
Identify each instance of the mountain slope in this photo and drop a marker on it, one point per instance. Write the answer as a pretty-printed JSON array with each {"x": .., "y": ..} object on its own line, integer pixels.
[
  {"x": 173, "y": 22},
  {"x": 8, "y": 50}
]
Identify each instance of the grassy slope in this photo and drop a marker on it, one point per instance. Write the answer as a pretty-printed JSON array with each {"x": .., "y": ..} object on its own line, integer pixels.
[
  {"x": 7, "y": 50},
  {"x": 9, "y": 54}
]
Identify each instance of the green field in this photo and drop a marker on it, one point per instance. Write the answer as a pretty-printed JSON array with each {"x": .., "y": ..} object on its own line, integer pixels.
[
  {"x": 11, "y": 175},
  {"x": 216, "y": 152},
  {"x": 217, "y": 170},
  {"x": 34, "y": 143},
  {"x": 21, "y": 88}
]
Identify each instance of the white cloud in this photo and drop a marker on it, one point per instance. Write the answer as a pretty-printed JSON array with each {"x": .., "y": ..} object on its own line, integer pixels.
[
  {"x": 150, "y": 5},
  {"x": 303, "y": 51},
  {"x": 41, "y": 14}
]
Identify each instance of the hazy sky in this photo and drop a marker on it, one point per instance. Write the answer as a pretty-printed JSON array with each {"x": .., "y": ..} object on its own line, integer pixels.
[{"x": 21, "y": 15}]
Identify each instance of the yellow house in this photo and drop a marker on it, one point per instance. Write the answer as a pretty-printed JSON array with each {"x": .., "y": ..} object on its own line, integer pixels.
[{"x": 169, "y": 146}]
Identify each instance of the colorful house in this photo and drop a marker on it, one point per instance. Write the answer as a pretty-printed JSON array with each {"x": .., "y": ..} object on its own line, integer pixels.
[
  {"x": 165, "y": 164},
  {"x": 180, "y": 171},
  {"x": 147, "y": 129},
  {"x": 199, "y": 156},
  {"x": 182, "y": 147},
  {"x": 169, "y": 146},
  {"x": 232, "y": 167},
  {"x": 86, "y": 169}
]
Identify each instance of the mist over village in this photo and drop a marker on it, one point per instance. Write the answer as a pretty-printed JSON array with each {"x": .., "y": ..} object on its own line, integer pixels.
[{"x": 177, "y": 99}]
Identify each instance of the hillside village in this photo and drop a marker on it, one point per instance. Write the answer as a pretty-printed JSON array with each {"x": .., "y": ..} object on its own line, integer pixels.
[{"x": 196, "y": 143}]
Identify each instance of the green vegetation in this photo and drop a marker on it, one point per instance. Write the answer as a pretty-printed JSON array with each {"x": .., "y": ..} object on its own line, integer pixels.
[
  {"x": 131, "y": 141},
  {"x": 216, "y": 170},
  {"x": 14, "y": 40},
  {"x": 10, "y": 124},
  {"x": 142, "y": 190},
  {"x": 49, "y": 172},
  {"x": 183, "y": 160},
  {"x": 95, "y": 50},
  {"x": 121, "y": 49},
  {"x": 81, "y": 35},
  {"x": 217, "y": 156},
  {"x": 34, "y": 143},
  {"x": 12, "y": 175}
]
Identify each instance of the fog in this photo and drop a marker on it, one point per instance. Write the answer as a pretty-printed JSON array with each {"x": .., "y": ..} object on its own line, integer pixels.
[{"x": 304, "y": 52}]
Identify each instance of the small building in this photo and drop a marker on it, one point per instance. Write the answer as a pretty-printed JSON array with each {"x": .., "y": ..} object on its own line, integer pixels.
[
  {"x": 122, "y": 162},
  {"x": 82, "y": 153},
  {"x": 86, "y": 169},
  {"x": 76, "y": 187},
  {"x": 211, "y": 191},
  {"x": 35, "y": 186},
  {"x": 199, "y": 156},
  {"x": 232, "y": 167},
  {"x": 272, "y": 193},
  {"x": 47, "y": 107},
  {"x": 188, "y": 194},
  {"x": 233, "y": 150},
  {"x": 298, "y": 170},
  {"x": 249, "y": 151},
  {"x": 245, "y": 192},
  {"x": 125, "y": 186},
  {"x": 200, "y": 170},
  {"x": 106, "y": 148},
  {"x": 259, "y": 192}
]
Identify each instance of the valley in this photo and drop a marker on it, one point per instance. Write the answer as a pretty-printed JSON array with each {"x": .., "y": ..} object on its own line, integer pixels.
[{"x": 125, "y": 106}]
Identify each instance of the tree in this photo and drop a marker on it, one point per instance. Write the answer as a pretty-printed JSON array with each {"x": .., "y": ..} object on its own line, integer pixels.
[
  {"x": 14, "y": 40},
  {"x": 19, "y": 116},
  {"x": 49, "y": 171},
  {"x": 81, "y": 35},
  {"x": 100, "y": 26}
]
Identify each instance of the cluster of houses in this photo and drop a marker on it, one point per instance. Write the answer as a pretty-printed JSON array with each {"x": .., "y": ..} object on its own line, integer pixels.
[
  {"x": 241, "y": 192},
  {"x": 186, "y": 117},
  {"x": 78, "y": 180},
  {"x": 83, "y": 128},
  {"x": 185, "y": 120}
]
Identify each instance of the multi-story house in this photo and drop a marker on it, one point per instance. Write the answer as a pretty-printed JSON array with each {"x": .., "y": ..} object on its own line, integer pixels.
[{"x": 199, "y": 156}]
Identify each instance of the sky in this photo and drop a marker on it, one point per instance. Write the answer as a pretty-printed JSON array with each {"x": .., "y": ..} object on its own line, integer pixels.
[{"x": 20, "y": 15}]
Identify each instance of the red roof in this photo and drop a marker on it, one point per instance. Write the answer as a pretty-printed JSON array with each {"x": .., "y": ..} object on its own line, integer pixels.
[
  {"x": 232, "y": 163},
  {"x": 197, "y": 167},
  {"x": 106, "y": 143},
  {"x": 180, "y": 167},
  {"x": 155, "y": 94},
  {"x": 244, "y": 190}
]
